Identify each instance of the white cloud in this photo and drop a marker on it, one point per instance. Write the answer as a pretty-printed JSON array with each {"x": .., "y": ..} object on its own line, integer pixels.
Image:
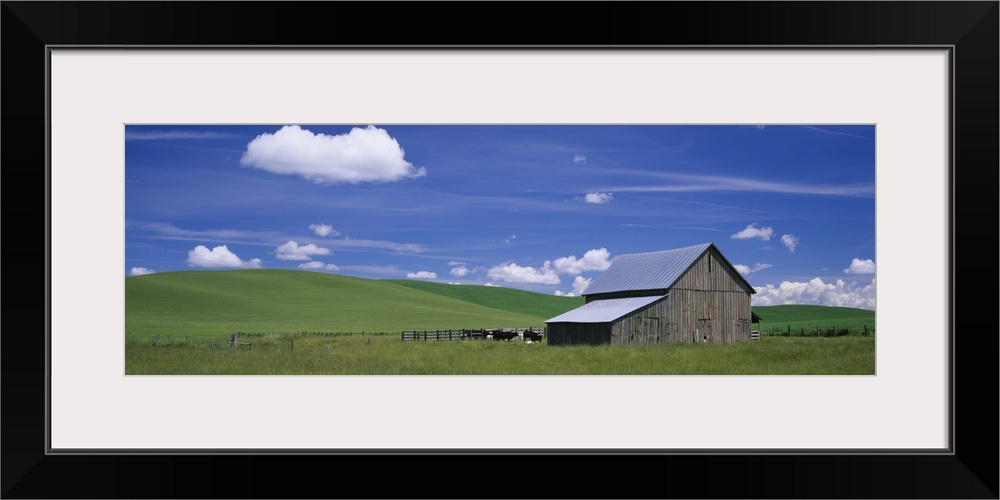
[
  {"x": 560, "y": 293},
  {"x": 491, "y": 284},
  {"x": 817, "y": 292},
  {"x": 593, "y": 260},
  {"x": 456, "y": 263},
  {"x": 598, "y": 197},
  {"x": 219, "y": 256},
  {"x": 139, "y": 271},
  {"x": 323, "y": 230},
  {"x": 859, "y": 266},
  {"x": 580, "y": 284},
  {"x": 579, "y": 159},
  {"x": 512, "y": 238},
  {"x": 423, "y": 275},
  {"x": 751, "y": 232},
  {"x": 362, "y": 155},
  {"x": 292, "y": 251},
  {"x": 459, "y": 271},
  {"x": 745, "y": 269},
  {"x": 790, "y": 242},
  {"x": 513, "y": 273},
  {"x": 317, "y": 264}
]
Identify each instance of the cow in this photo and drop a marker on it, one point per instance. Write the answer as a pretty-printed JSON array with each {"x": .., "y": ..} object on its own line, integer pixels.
[
  {"x": 532, "y": 336},
  {"x": 502, "y": 335}
]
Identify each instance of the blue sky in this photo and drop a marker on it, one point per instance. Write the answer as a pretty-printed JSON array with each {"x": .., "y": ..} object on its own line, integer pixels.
[{"x": 535, "y": 207}]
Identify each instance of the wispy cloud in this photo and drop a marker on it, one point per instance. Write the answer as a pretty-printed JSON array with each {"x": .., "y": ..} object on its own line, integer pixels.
[
  {"x": 377, "y": 244},
  {"x": 745, "y": 269},
  {"x": 578, "y": 158},
  {"x": 682, "y": 183},
  {"x": 837, "y": 132},
  {"x": 139, "y": 271},
  {"x": 171, "y": 232},
  {"x": 362, "y": 155}
]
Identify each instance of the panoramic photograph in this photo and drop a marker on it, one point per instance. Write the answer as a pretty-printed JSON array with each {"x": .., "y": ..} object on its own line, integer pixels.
[{"x": 383, "y": 249}]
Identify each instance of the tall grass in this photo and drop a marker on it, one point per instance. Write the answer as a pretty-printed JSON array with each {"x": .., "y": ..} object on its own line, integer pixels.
[{"x": 388, "y": 355}]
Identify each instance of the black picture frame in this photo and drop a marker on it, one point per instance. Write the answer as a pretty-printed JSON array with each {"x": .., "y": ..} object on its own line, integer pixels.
[{"x": 969, "y": 28}]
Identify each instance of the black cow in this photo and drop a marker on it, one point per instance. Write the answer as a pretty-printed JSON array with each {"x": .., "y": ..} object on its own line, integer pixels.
[
  {"x": 502, "y": 335},
  {"x": 532, "y": 336}
]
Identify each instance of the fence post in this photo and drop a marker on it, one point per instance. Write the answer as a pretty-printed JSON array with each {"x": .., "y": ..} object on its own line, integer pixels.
[
  {"x": 157, "y": 341},
  {"x": 293, "y": 345}
]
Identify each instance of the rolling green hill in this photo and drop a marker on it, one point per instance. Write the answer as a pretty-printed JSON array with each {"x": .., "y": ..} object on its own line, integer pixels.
[
  {"x": 504, "y": 299},
  {"x": 808, "y": 318},
  {"x": 213, "y": 303},
  {"x": 794, "y": 313}
]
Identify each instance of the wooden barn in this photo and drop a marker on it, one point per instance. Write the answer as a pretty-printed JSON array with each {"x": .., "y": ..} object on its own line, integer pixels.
[{"x": 690, "y": 294}]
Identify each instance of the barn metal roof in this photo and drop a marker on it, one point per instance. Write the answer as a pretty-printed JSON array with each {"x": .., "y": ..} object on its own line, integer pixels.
[
  {"x": 603, "y": 311},
  {"x": 646, "y": 271}
]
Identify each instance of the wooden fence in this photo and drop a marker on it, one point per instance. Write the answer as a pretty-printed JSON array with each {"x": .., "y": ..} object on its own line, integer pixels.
[{"x": 464, "y": 334}]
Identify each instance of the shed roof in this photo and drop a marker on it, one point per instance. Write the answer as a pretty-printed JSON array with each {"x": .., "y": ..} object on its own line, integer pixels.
[{"x": 603, "y": 311}]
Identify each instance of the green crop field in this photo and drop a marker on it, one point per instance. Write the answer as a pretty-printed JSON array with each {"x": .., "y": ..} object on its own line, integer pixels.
[
  {"x": 503, "y": 299},
  {"x": 806, "y": 320},
  {"x": 210, "y": 304},
  {"x": 320, "y": 324}
]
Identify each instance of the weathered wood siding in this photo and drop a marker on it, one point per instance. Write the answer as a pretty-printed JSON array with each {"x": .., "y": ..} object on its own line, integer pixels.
[
  {"x": 649, "y": 325},
  {"x": 578, "y": 333},
  {"x": 711, "y": 302}
]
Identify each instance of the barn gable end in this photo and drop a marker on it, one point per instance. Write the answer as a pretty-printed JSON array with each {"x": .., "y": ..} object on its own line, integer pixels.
[{"x": 691, "y": 294}]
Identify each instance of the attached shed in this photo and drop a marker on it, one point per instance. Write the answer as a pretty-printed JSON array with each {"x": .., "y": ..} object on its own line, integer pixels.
[{"x": 691, "y": 294}]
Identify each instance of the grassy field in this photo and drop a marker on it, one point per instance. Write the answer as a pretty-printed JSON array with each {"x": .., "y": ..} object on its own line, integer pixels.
[
  {"x": 179, "y": 323},
  {"x": 388, "y": 355},
  {"x": 804, "y": 320},
  {"x": 214, "y": 304},
  {"x": 502, "y": 299}
]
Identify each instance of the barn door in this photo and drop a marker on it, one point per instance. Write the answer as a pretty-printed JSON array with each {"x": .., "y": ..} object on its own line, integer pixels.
[
  {"x": 652, "y": 333},
  {"x": 703, "y": 333}
]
